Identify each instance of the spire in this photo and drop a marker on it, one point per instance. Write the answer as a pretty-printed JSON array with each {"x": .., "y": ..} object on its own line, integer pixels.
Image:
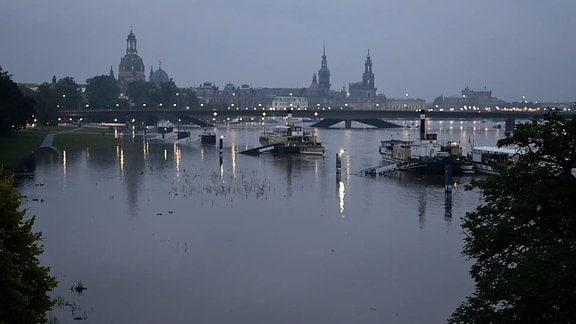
[
  {"x": 324, "y": 73},
  {"x": 324, "y": 63},
  {"x": 151, "y": 72},
  {"x": 368, "y": 75},
  {"x": 111, "y": 73},
  {"x": 368, "y": 60},
  {"x": 131, "y": 43}
]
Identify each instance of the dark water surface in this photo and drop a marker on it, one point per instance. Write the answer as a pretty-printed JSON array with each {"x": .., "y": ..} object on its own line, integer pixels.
[{"x": 161, "y": 233}]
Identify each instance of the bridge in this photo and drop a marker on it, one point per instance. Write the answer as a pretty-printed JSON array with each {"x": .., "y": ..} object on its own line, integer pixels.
[{"x": 326, "y": 118}]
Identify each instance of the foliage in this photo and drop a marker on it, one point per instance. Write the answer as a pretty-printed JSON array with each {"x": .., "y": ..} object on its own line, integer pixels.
[
  {"x": 47, "y": 105},
  {"x": 24, "y": 282},
  {"x": 16, "y": 110},
  {"x": 523, "y": 236},
  {"x": 102, "y": 91},
  {"x": 160, "y": 96},
  {"x": 68, "y": 94},
  {"x": 51, "y": 97},
  {"x": 140, "y": 92},
  {"x": 189, "y": 98}
]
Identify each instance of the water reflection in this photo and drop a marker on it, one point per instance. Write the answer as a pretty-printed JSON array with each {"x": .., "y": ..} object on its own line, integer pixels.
[
  {"x": 422, "y": 206},
  {"x": 341, "y": 194},
  {"x": 221, "y": 231},
  {"x": 448, "y": 207},
  {"x": 64, "y": 162}
]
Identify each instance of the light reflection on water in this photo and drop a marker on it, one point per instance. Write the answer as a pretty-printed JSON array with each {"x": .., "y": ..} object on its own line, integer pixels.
[{"x": 164, "y": 233}]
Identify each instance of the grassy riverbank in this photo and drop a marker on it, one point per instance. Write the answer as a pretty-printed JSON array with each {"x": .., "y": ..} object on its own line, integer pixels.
[
  {"x": 86, "y": 137},
  {"x": 19, "y": 146}
]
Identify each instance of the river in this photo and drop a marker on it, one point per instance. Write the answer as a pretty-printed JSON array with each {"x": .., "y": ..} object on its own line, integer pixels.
[{"x": 164, "y": 233}]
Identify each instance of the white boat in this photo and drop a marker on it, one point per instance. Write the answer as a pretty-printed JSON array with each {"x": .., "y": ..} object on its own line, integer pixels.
[{"x": 489, "y": 159}]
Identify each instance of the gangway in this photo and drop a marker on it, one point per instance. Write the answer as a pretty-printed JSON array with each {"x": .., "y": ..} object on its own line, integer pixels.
[
  {"x": 259, "y": 150},
  {"x": 384, "y": 169}
]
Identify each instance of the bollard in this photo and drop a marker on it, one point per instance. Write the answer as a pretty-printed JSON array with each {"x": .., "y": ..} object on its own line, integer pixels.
[
  {"x": 448, "y": 178},
  {"x": 221, "y": 143}
]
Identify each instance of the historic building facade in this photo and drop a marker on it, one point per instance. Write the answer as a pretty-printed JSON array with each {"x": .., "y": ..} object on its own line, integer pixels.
[
  {"x": 469, "y": 98},
  {"x": 318, "y": 93},
  {"x": 159, "y": 76},
  {"x": 324, "y": 75},
  {"x": 131, "y": 65},
  {"x": 362, "y": 95}
]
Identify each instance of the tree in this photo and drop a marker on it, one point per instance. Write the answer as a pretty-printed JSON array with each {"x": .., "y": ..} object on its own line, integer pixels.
[
  {"x": 68, "y": 93},
  {"x": 24, "y": 283},
  {"x": 16, "y": 110},
  {"x": 140, "y": 92},
  {"x": 189, "y": 98},
  {"x": 523, "y": 236},
  {"x": 46, "y": 104},
  {"x": 102, "y": 91}
]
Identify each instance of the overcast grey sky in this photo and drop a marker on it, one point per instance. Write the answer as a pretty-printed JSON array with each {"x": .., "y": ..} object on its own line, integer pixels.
[{"x": 421, "y": 47}]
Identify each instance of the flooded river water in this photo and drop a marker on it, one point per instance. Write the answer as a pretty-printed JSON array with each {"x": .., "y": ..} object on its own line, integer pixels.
[{"x": 164, "y": 233}]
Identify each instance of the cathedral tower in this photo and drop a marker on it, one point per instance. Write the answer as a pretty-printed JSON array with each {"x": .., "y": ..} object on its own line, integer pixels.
[
  {"x": 324, "y": 75},
  {"x": 368, "y": 76},
  {"x": 364, "y": 91},
  {"x": 131, "y": 65}
]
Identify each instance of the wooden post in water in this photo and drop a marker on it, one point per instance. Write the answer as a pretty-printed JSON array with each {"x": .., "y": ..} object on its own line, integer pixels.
[
  {"x": 221, "y": 141},
  {"x": 448, "y": 178},
  {"x": 339, "y": 163}
]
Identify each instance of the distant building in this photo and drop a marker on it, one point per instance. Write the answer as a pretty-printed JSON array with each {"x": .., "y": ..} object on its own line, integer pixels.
[
  {"x": 362, "y": 95},
  {"x": 318, "y": 92},
  {"x": 324, "y": 75},
  {"x": 405, "y": 104},
  {"x": 111, "y": 73},
  {"x": 469, "y": 99},
  {"x": 286, "y": 103},
  {"x": 159, "y": 76},
  {"x": 131, "y": 65}
]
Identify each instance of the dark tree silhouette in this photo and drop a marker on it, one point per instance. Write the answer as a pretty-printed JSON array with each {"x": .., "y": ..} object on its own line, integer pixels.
[
  {"x": 24, "y": 283},
  {"x": 523, "y": 237},
  {"x": 102, "y": 92},
  {"x": 16, "y": 110}
]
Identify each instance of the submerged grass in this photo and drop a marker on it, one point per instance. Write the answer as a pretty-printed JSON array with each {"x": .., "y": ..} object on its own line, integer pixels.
[
  {"x": 20, "y": 145},
  {"x": 93, "y": 138},
  {"x": 16, "y": 148}
]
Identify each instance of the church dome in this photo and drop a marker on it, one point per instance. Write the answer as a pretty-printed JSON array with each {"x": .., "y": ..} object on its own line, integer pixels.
[{"x": 159, "y": 76}]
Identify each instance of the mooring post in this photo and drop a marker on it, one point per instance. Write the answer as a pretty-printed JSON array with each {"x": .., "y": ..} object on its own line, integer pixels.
[
  {"x": 448, "y": 178},
  {"x": 339, "y": 162},
  {"x": 221, "y": 142}
]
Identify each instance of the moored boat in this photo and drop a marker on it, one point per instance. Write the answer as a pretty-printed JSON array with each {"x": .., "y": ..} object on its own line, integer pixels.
[
  {"x": 424, "y": 155},
  {"x": 289, "y": 139},
  {"x": 207, "y": 136},
  {"x": 490, "y": 159},
  {"x": 165, "y": 131}
]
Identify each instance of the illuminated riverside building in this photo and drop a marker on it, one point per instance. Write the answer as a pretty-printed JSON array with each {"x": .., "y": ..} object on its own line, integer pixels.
[{"x": 470, "y": 98}]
